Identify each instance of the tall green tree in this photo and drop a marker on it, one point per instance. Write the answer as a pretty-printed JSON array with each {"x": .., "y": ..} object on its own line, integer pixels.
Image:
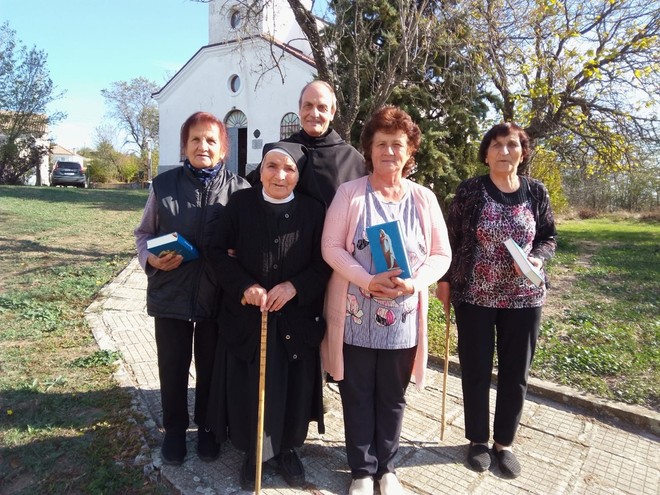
[
  {"x": 25, "y": 91},
  {"x": 367, "y": 49},
  {"x": 440, "y": 89}
]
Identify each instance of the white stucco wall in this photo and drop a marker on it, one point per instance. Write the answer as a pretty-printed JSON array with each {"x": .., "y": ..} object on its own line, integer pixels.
[
  {"x": 275, "y": 19},
  {"x": 31, "y": 178},
  {"x": 203, "y": 85}
]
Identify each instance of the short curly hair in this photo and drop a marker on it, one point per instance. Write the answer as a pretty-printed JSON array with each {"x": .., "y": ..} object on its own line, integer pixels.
[
  {"x": 504, "y": 129},
  {"x": 389, "y": 119}
]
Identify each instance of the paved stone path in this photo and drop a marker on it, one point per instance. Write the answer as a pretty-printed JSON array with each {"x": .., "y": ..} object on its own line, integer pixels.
[{"x": 567, "y": 443}]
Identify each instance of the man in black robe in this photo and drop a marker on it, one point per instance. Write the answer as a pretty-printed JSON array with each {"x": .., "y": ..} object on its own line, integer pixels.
[{"x": 332, "y": 160}]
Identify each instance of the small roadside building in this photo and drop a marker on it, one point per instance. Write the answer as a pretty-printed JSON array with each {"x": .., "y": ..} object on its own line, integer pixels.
[
  {"x": 249, "y": 75},
  {"x": 22, "y": 127}
]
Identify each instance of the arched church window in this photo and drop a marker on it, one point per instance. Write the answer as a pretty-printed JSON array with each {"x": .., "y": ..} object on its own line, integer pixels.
[
  {"x": 236, "y": 119},
  {"x": 289, "y": 124},
  {"x": 234, "y": 83},
  {"x": 236, "y": 19}
]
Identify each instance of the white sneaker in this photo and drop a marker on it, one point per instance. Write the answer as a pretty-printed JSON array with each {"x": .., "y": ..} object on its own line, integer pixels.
[
  {"x": 389, "y": 485},
  {"x": 362, "y": 486}
]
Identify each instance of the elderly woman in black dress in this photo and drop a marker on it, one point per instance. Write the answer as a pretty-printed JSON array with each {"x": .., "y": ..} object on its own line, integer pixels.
[{"x": 269, "y": 259}]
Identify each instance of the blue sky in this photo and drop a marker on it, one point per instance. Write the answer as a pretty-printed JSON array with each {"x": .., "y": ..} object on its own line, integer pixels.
[{"x": 92, "y": 43}]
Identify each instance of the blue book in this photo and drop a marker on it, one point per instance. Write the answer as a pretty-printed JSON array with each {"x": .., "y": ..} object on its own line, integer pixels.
[
  {"x": 172, "y": 243},
  {"x": 387, "y": 248}
]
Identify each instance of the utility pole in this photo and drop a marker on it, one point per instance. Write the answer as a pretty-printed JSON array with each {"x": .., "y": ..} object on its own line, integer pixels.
[{"x": 149, "y": 166}]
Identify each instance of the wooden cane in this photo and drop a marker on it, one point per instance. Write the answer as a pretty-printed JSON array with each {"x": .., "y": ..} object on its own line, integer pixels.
[
  {"x": 262, "y": 397},
  {"x": 262, "y": 400},
  {"x": 444, "y": 378}
]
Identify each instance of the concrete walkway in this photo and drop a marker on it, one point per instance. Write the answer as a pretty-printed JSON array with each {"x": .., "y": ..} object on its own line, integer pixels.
[{"x": 568, "y": 443}]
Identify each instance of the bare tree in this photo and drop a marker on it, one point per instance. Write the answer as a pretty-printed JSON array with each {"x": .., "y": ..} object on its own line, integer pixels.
[
  {"x": 135, "y": 112},
  {"x": 581, "y": 75}
]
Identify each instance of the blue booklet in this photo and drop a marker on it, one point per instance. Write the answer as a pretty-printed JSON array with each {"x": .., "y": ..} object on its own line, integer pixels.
[
  {"x": 168, "y": 243},
  {"x": 387, "y": 248}
]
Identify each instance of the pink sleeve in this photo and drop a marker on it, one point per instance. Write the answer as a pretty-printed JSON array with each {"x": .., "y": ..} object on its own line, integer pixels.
[
  {"x": 439, "y": 259},
  {"x": 338, "y": 233}
]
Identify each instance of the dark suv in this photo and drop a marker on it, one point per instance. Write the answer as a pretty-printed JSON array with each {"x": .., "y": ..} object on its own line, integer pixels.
[{"x": 68, "y": 174}]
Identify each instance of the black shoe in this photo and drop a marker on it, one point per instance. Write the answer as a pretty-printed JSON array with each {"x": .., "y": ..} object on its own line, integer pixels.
[
  {"x": 248, "y": 474},
  {"x": 478, "y": 457},
  {"x": 207, "y": 448},
  {"x": 291, "y": 468},
  {"x": 173, "y": 450},
  {"x": 507, "y": 462}
]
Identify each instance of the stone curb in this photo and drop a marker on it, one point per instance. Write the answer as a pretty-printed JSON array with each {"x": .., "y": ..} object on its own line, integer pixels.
[{"x": 595, "y": 406}]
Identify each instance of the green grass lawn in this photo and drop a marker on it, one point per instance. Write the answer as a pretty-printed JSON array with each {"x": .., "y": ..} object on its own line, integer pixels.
[
  {"x": 601, "y": 326},
  {"x": 602, "y": 333},
  {"x": 65, "y": 425}
]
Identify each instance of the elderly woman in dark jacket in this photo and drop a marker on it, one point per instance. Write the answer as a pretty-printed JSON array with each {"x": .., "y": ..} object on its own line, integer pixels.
[
  {"x": 495, "y": 305},
  {"x": 183, "y": 297},
  {"x": 274, "y": 235}
]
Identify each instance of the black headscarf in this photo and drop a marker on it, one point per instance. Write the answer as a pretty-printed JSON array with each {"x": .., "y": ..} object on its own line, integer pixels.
[{"x": 299, "y": 154}]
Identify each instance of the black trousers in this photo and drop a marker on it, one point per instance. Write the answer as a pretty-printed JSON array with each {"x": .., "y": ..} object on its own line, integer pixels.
[
  {"x": 175, "y": 340},
  {"x": 514, "y": 332},
  {"x": 373, "y": 399}
]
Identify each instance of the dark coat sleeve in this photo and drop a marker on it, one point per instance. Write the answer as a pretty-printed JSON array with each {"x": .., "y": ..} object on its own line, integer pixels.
[
  {"x": 238, "y": 324},
  {"x": 544, "y": 244},
  {"x": 460, "y": 227}
]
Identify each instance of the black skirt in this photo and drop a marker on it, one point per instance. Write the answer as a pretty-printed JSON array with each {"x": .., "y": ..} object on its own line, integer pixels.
[{"x": 293, "y": 398}]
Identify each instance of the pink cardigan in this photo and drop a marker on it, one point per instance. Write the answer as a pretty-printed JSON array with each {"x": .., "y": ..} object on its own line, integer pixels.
[{"x": 337, "y": 244}]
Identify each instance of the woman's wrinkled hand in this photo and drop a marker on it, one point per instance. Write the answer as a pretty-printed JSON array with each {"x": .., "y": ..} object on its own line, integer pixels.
[
  {"x": 381, "y": 283},
  {"x": 279, "y": 295},
  {"x": 256, "y": 296},
  {"x": 166, "y": 263},
  {"x": 443, "y": 293},
  {"x": 535, "y": 262},
  {"x": 388, "y": 285}
]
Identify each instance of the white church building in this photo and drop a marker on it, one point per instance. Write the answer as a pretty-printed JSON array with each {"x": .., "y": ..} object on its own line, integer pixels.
[{"x": 249, "y": 75}]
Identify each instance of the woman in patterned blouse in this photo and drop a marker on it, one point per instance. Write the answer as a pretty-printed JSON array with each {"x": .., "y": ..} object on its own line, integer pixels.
[{"x": 495, "y": 305}]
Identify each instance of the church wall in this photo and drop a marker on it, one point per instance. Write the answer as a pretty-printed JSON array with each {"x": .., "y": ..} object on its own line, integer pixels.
[
  {"x": 204, "y": 84},
  {"x": 276, "y": 19}
]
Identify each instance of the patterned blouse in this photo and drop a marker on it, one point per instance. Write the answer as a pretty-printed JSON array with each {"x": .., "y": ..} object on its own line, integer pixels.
[
  {"x": 481, "y": 217},
  {"x": 374, "y": 322},
  {"x": 494, "y": 282}
]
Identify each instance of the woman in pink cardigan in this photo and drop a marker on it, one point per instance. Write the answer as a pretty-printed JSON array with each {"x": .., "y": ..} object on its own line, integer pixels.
[{"x": 377, "y": 322}]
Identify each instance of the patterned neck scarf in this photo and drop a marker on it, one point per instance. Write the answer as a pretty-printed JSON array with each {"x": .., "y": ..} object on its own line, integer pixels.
[{"x": 204, "y": 174}]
